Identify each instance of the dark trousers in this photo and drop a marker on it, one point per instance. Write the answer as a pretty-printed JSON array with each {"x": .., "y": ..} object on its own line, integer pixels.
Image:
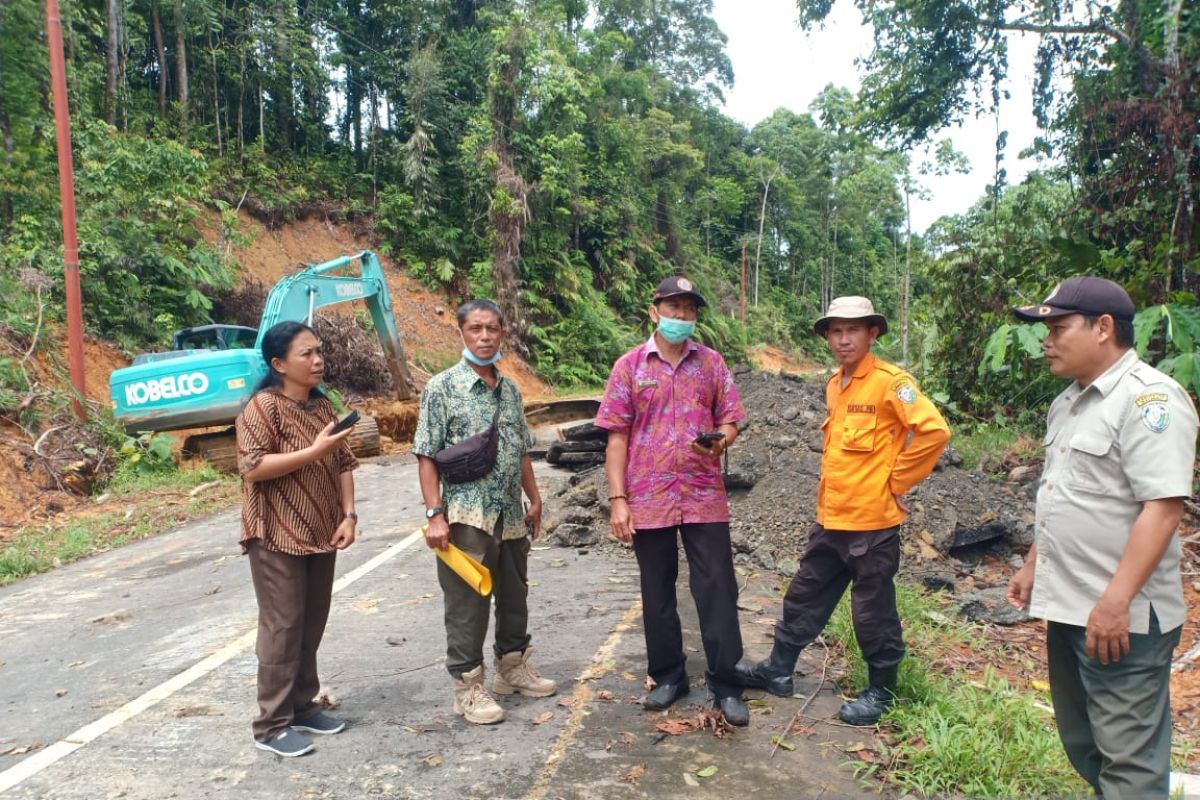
[
  {"x": 834, "y": 559},
  {"x": 1114, "y": 720},
  {"x": 467, "y": 611},
  {"x": 293, "y": 605},
  {"x": 714, "y": 588}
]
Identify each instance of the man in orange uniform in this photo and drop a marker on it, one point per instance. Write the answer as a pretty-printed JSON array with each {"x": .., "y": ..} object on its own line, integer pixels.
[{"x": 882, "y": 438}]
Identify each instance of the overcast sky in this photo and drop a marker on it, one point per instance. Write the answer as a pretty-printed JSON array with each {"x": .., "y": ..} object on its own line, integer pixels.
[{"x": 776, "y": 64}]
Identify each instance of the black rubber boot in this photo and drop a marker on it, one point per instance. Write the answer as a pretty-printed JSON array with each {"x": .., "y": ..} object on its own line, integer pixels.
[
  {"x": 774, "y": 674},
  {"x": 874, "y": 701}
]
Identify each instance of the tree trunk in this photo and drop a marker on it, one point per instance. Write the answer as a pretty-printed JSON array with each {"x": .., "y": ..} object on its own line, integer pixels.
[
  {"x": 181, "y": 69},
  {"x": 216, "y": 96},
  {"x": 161, "y": 53},
  {"x": 509, "y": 209},
  {"x": 111, "y": 60},
  {"x": 762, "y": 217},
  {"x": 6, "y": 200}
]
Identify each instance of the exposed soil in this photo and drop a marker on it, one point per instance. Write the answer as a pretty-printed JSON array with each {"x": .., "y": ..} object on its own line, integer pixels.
[
  {"x": 769, "y": 358},
  {"x": 967, "y": 533},
  {"x": 427, "y": 328}
]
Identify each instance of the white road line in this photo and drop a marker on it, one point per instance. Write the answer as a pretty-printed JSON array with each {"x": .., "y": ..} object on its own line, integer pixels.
[{"x": 71, "y": 742}]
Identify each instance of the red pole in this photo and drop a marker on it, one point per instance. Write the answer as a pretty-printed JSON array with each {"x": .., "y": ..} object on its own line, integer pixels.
[
  {"x": 66, "y": 188},
  {"x": 743, "y": 281}
]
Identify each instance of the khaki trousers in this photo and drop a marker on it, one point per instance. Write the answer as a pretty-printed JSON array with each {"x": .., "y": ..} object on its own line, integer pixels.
[
  {"x": 293, "y": 605},
  {"x": 467, "y": 612}
]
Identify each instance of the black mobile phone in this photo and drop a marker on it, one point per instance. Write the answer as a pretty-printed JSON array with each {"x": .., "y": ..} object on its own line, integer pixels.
[
  {"x": 345, "y": 422},
  {"x": 705, "y": 439}
]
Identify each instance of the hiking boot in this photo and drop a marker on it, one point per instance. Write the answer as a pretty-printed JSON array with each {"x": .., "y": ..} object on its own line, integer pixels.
[
  {"x": 874, "y": 701},
  {"x": 515, "y": 675},
  {"x": 773, "y": 674},
  {"x": 320, "y": 723},
  {"x": 473, "y": 701},
  {"x": 287, "y": 743}
]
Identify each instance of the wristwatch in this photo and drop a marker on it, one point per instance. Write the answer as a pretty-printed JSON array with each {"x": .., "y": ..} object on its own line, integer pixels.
[
  {"x": 352, "y": 515},
  {"x": 430, "y": 513}
]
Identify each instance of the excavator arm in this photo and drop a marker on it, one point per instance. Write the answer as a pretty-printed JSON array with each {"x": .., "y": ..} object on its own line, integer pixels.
[{"x": 297, "y": 296}]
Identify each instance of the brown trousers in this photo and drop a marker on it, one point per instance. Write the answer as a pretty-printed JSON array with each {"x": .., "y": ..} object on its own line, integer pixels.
[
  {"x": 293, "y": 594},
  {"x": 466, "y": 614}
]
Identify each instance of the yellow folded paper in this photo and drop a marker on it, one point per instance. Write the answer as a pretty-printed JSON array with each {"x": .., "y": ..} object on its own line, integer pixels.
[{"x": 477, "y": 576}]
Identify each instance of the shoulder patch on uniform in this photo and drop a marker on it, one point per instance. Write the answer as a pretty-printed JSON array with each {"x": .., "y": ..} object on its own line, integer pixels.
[
  {"x": 1156, "y": 414},
  {"x": 905, "y": 388},
  {"x": 1150, "y": 397}
]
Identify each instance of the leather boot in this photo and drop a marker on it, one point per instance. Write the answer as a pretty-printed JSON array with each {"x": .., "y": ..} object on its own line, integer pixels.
[
  {"x": 874, "y": 701},
  {"x": 774, "y": 674}
]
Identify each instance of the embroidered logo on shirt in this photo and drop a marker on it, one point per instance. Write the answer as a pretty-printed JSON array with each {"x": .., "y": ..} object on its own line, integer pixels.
[
  {"x": 1156, "y": 415},
  {"x": 1150, "y": 397},
  {"x": 855, "y": 408},
  {"x": 907, "y": 394}
]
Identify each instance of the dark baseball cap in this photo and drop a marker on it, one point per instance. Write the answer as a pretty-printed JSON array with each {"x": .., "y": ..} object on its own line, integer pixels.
[
  {"x": 1084, "y": 295},
  {"x": 675, "y": 286}
]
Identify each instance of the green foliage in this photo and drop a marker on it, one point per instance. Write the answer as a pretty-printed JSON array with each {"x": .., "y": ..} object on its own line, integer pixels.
[
  {"x": 39, "y": 548},
  {"x": 147, "y": 454},
  {"x": 1166, "y": 334},
  {"x": 954, "y": 735},
  {"x": 979, "y": 740}
]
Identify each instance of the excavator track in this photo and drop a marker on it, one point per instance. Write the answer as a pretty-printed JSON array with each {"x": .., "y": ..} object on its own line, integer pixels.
[{"x": 219, "y": 449}]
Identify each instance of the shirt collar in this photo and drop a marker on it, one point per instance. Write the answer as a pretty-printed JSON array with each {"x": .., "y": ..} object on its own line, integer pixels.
[
  {"x": 1109, "y": 378},
  {"x": 688, "y": 347},
  {"x": 465, "y": 379},
  {"x": 863, "y": 370}
]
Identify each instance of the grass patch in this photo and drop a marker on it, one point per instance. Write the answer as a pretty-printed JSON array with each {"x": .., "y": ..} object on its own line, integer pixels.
[
  {"x": 956, "y": 733},
  {"x": 991, "y": 448},
  {"x": 149, "y": 505}
]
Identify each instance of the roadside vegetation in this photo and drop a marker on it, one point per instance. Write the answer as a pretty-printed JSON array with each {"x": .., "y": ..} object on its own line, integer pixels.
[
  {"x": 961, "y": 728},
  {"x": 142, "y": 506}
]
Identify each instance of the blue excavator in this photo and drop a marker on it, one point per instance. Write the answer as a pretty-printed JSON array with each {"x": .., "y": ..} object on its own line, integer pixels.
[{"x": 209, "y": 376}]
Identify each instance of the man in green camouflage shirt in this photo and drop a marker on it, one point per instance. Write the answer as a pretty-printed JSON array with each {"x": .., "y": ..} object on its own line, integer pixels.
[{"x": 482, "y": 517}]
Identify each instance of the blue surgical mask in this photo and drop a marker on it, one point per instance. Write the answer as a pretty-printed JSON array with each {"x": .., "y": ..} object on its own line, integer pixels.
[
  {"x": 675, "y": 331},
  {"x": 479, "y": 362}
]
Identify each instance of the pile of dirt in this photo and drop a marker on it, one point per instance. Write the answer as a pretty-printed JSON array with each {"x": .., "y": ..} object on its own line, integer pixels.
[
  {"x": 963, "y": 535},
  {"x": 967, "y": 534}
]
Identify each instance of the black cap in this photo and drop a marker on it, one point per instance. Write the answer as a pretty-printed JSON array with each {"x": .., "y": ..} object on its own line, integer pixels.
[
  {"x": 675, "y": 286},
  {"x": 1084, "y": 295}
]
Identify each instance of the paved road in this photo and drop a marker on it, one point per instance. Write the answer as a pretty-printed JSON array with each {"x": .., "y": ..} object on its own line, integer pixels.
[{"x": 131, "y": 675}]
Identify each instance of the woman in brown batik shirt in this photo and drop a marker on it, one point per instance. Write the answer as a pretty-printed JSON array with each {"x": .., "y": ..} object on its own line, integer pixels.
[{"x": 297, "y": 512}]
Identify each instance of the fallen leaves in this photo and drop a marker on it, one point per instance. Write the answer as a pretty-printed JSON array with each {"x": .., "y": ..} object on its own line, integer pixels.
[
  {"x": 707, "y": 719},
  {"x": 707, "y": 772},
  {"x": 633, "y": 774},
  {"x": 367, "y": 606},
  {"x": 22, "y": 750},
  {"x": 431, "y": 761},
  {"x": 779, "y": 742},
  {"x": 544, "y": 717}
]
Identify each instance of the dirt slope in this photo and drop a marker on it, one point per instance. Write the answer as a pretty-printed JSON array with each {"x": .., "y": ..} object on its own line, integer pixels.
[{"x": 426, "y": 323}]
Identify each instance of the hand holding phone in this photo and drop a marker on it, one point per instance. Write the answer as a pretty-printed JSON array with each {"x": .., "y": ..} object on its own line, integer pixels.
[
  {"x": 706, "y": 439},
  {"x": 344, "y": 423}
]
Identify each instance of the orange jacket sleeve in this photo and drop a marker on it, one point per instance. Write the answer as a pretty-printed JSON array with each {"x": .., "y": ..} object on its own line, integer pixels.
[{"x": 928, "y": 434}]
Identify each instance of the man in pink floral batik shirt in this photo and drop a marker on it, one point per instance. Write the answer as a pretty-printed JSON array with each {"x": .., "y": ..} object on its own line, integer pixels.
[{"x": 671, "y": 410}]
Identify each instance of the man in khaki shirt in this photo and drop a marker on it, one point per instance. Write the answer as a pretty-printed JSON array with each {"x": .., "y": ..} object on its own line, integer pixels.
[{"x": 1103, "y": 571}]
